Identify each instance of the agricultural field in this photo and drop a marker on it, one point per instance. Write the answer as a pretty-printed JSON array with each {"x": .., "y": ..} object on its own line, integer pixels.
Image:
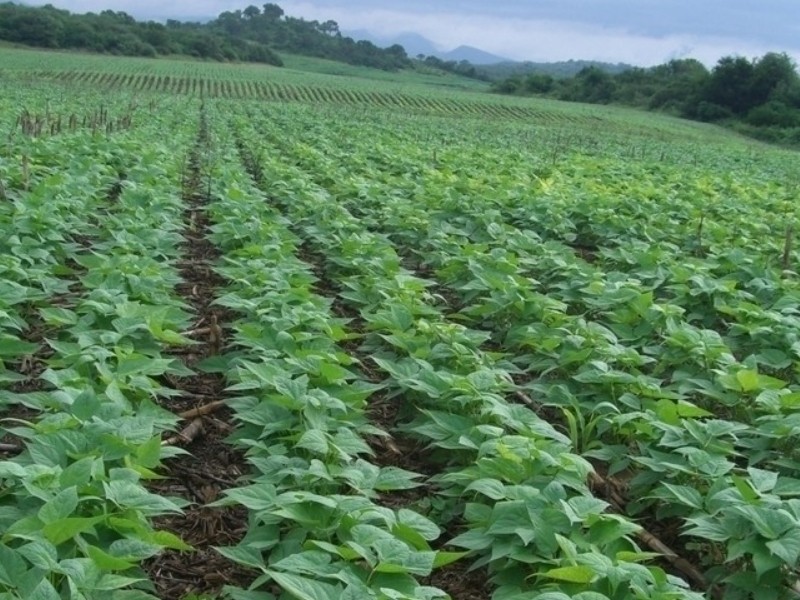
[{"x": 272, "y": 335}]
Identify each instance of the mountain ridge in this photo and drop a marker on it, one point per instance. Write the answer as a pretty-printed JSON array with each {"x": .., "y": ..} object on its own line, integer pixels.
[{"x": 416, "y": 44}]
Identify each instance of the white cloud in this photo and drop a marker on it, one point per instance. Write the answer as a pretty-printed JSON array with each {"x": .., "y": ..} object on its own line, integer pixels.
[
  {"x": 534, "y": 39},
  {"x": 517, "y": 38}
]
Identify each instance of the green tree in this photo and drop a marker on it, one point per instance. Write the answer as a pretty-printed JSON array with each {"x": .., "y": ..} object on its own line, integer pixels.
[
  {"x": 730, "y": 85},
  {"x": 770, "y": 73},
  {"x": 273, "y": 12},
  {"x": 251, "y": 12}
]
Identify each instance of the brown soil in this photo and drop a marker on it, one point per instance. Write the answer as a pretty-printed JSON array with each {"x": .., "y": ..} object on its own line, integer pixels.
[
  {"x": 212, "y": 465},
  {"x": 461, "y": 583}
]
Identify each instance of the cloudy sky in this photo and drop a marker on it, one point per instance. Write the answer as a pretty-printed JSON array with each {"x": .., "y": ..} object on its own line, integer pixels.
[{"x": 642, "y": 32}]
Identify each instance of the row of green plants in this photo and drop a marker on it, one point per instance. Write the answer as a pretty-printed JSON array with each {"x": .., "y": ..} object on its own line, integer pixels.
[
  {"x": 317, "y": 526},
  {"x": 88, "y": 310},
  {"x": 511, "y": 480},
  {"x": 670, "y": 367}
]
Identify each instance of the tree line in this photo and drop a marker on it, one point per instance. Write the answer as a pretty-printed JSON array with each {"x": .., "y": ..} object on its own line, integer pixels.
[
  {"x": 759, "y": 97},
  {"x": 253, "y": 35}
]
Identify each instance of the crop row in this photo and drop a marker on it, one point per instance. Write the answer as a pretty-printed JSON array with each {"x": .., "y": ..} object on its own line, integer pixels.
[
  {"x": 647, "y": 376},
  {"x": 317, "y": 528},
  {"x": 282, "y": 92},
  {"x": 89, "y": 307},
  {"x": 502, "y": 467}
]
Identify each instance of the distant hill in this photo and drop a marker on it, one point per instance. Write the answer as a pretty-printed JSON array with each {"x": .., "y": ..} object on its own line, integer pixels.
[
  {"x": 416, "y": 44},
  {"x": 473, "y": 55},
  {"x": 488, "y": 66},
  {"x": 559, "y": 70}
]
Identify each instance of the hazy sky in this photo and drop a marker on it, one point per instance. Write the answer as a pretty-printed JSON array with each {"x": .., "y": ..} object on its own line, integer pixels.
[{"x": 643, "y": 32}]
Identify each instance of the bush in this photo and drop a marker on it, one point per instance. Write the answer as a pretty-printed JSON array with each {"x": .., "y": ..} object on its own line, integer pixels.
[
  {"x": 708, "y": 111},
  {"x": 774, "y": 113}
]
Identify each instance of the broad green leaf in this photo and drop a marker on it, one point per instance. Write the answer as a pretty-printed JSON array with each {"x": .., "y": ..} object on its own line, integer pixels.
[
  {"x": 62, "y": 530},
  {"x": 304, "y": 588},
  {"x": 149, "y": 453},
  {"x": 256, "y": 497},
  {"x": 243, "y": 555},
  {"x": 107, "y": 562},
  {"x": 763, "y": 481},
  {"x": 127, "y": 494},
  {"x": 58, "y": 316},
  {"x": 307, "y": 563},
  {"x": 787, "y": 548},
  {"x": 410, "y": 536},
  {"x": 133, "y": 549},
  {"x": 446, "y": 558},
  {"x": 169, "y": 540},
  {"x": 83, "y": 572},
  {"x": 40, "y": 553},
  {"x": 394, "y": 478},
  {"x": 423, "y": 525},
  {"x": 11, "y": 347},
  {"x": 685, "y": 495},
  {"x": 12, "y": 566},
  {"x": 111, "y": 581},
  {"x": 491, "y": 488},
  {"x": 78, "y": 473},
  {"x": 574, "y": 574},
  {"x": 44, "y": 591},
  {"x": 60, "y": 507},
  {"x": 240, "y": 594},
  {"x": 748, "y": 380}
]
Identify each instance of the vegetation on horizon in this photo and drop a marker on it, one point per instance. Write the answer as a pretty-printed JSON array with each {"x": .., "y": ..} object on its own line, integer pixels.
[
  {"x": 252, "y": 34},
  {"x": 759, "y": 97}
]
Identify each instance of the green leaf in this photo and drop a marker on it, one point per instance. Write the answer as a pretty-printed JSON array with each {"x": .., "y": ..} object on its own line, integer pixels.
[
  {"x": 133, "y": 549},
  {"x": 40, "y": 553},
  {"x": 424, "y": 526},
  {"x": 410, "y": 536},
  {"x": 763, "y": 481},
  {"x": 304, "y": 588},
  {"x": 256, "y": 497},
  {"x": 574, "y": 574},
  {"x": 127, "y": 494},
  {"x": 243, "y": 555},
  {"x": 167, "y": 539},
  {"x": 58, "y": 316},
  {"x": 393, "y": 478},
  {"x": 707, "y": 528},
  {"x": 310, "y": 562},
  {"x": 78, "y": 473},
  {"x": 239, "y": 594},
  {"x": 12, "y": 566},
  {"x": 44, "y": 591},
  {"x": 787, "y": 548},
  {"x": 106, "y": 562},
  {"x": 60, "y": 507},
  {"x": 111, "y": 581},
  {"x": 11, "y": 347},
  {"x": 768, "y": 522},
  {"x": 748, "y": 380},
  {"x": 83, "y": 572},
  {"x": 745, "y": 488},
  {"x": 149, "y": 453},
  {"x": 11, "y": 470},
  {"x": 62, "y": 530},
  {"x": 446, "y": 558},
  {"x": 685, "y": 495},
  {"x": 314, "y": 440},
  {"x": 491, "y": 488}
]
